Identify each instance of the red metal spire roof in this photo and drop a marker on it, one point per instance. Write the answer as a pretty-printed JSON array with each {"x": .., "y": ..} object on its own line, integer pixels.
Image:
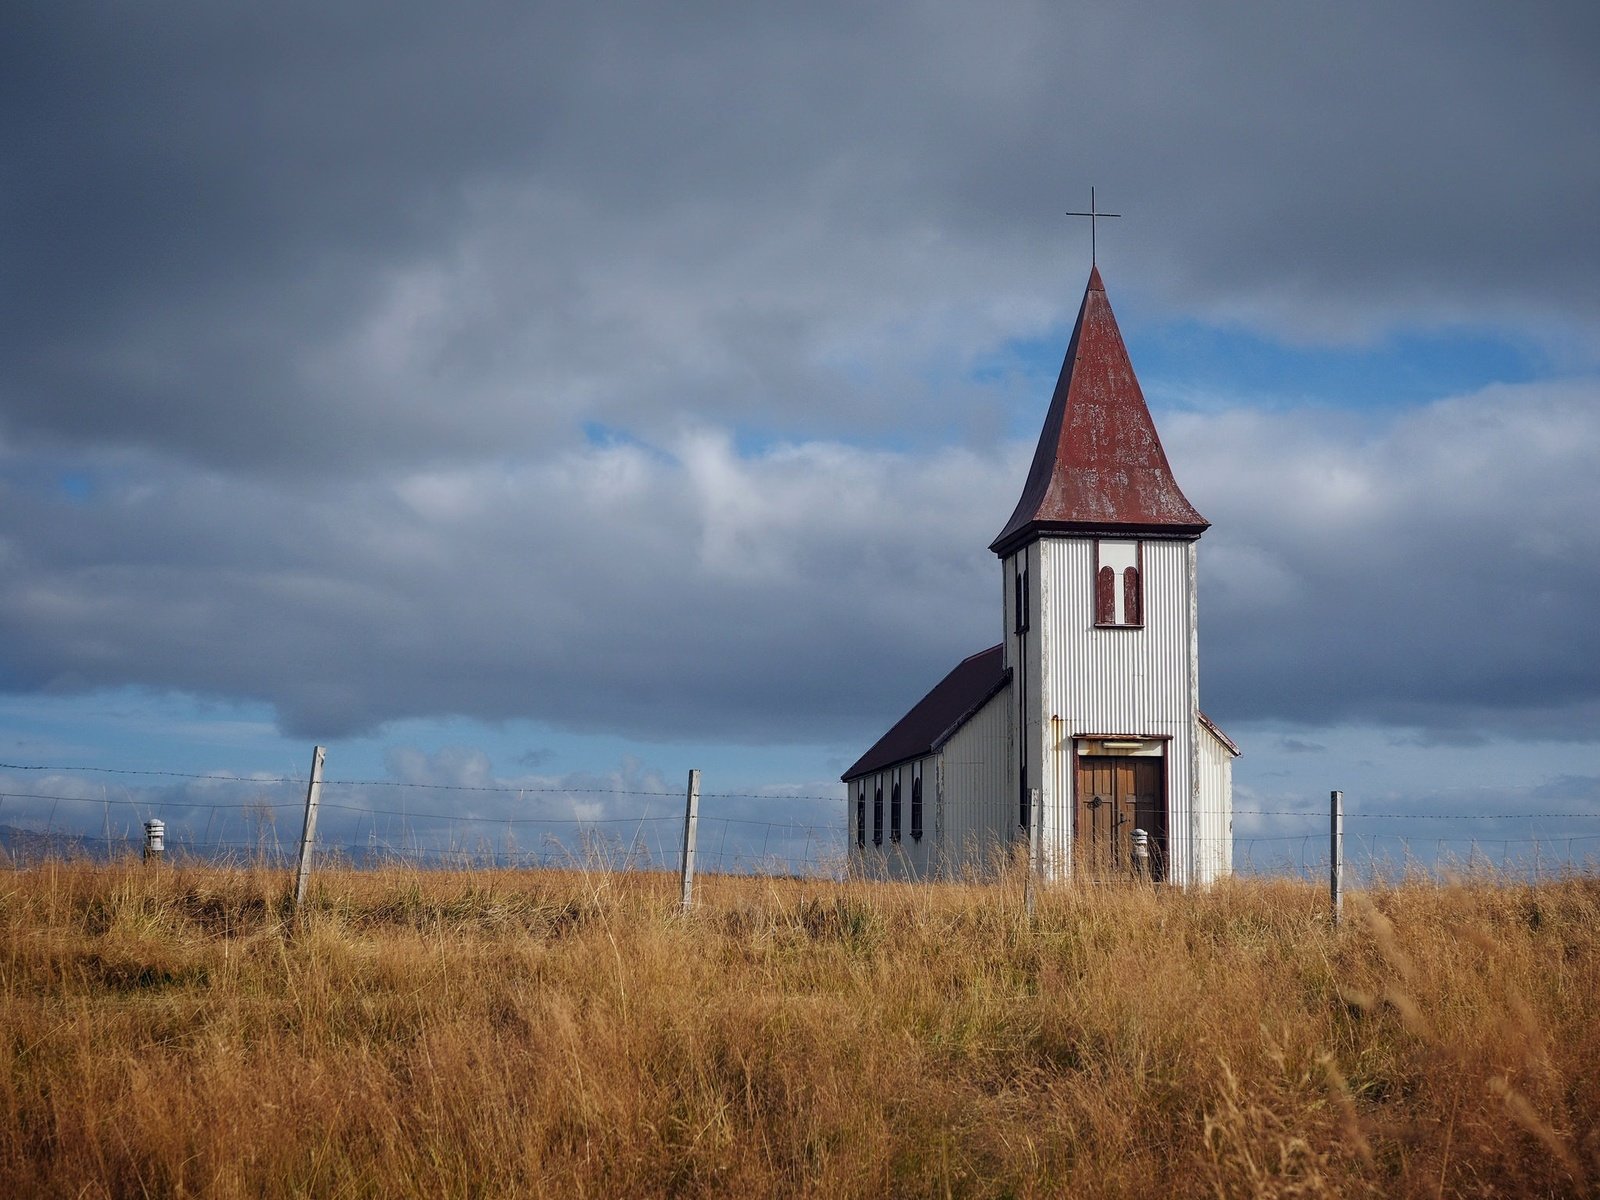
[{"x": 1099, "y": 467}]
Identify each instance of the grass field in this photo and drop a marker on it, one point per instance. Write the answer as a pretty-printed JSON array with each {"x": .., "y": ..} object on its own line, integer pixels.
[{"x": 480, "y": 1034}]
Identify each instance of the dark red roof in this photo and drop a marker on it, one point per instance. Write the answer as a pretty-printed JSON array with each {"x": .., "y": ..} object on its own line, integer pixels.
[
  {"x": 934, "y": 718},
  {"x": 1099, "y": 467}
]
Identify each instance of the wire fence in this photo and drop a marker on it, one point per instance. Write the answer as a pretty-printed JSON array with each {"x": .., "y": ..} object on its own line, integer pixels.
[
  {"x": 364, "y": 822},
  {"x": 627, "y": 824}
]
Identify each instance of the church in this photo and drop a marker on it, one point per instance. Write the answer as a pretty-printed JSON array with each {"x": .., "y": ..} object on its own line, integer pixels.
[{"x": 1089, "y": 707}]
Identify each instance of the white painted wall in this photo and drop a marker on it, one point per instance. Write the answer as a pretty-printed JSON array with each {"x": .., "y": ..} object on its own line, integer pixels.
[
  {"x": 1026, "y": 693},
  {"x": 1070, "y": 680},
  {"x": 910, "y": 857},
  {"x": 1130, "y": 681},
  {"x": 976, "y": 812},
  {"x": 1214, "y": 823}
]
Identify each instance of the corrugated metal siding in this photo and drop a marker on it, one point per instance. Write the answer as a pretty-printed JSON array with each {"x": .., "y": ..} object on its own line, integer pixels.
[
  {"x": 975, "y": 813},
  {"x": 1071, "y": 679},
  {"x": 1117, "y": 681},
  {"x": 1025, "y": 703},
  {"x": 855, "y": 857},
  {"x": 1214, "y": 826},
  {"x": 910, "y": 858}
]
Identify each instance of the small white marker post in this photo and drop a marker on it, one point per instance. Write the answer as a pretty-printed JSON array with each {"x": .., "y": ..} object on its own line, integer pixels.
[
  {"x": 308, "y": 831},
  {"x": 155, "y": 843},
  {"x": 1030, "y": 887},
  {"x": 691, "y": 824},
  {"x": 1336, "y": 854}
]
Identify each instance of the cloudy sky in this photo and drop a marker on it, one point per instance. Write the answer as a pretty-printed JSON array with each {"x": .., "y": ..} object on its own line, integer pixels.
[{"x": 548, "y": 395}]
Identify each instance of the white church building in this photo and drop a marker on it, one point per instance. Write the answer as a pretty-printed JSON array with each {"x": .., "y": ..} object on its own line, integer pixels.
[{"x": 1092, "y": 698}]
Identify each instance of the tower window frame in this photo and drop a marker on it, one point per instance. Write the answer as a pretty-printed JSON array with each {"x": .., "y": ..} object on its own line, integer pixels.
[{"x": 1119, "y": 594}]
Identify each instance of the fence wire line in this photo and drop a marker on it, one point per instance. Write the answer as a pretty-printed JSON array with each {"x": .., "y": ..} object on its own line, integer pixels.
[
  {"x": 333, "y": 783},
  {"x": 506, "y": 789},
  {"x": 727, "y": 842}
]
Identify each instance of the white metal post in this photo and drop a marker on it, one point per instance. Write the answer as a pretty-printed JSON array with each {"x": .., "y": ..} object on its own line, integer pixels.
[
  {"x": 1030, "y": 885},
  {"x": 1141, "y": 855},
  {"x": 691, "y": 823},
  {"x": 155, "y": 834},
  {"x": 1336, "y": 853},
  {"x": 308, "y": 831}
]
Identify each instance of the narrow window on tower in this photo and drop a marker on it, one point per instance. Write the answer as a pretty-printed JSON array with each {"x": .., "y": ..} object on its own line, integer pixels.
[
  {"x": 1021, "y": 601},
  {"x": 1105, "y": 596},
  {"x": 894, "y": 808},
  {"x": 1118, "y": 584},
  {"x": 861, "y": 813},
  {"x": 916, "y": 803},
  {"x": 877, "y": 810}
]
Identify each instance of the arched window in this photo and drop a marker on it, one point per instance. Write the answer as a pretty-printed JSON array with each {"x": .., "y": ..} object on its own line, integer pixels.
[
  {"x": 1105, "y": 596},
  {"x": 877, "y": 811},
  {"x": 1132, "y": 597},
  {"x": 861, "y": 813},
  {"x": 916, "y": 803},
  {"x": 894, "y": 808}
]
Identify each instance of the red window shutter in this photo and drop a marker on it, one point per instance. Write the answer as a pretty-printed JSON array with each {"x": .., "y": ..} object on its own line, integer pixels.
[
  {"x": 1105, "y": 597},
  {"x": 1132, "y": 608}
]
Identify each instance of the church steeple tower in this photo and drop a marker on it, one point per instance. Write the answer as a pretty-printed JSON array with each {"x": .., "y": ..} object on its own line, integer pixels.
[
  {"x": 1099, "y": 467},
  {"x": 1100, "y": 566},
  {"x": 1083, "y": 726}
]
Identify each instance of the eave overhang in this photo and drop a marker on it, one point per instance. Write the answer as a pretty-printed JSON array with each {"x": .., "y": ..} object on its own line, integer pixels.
[{"x": 939, "y": 715}]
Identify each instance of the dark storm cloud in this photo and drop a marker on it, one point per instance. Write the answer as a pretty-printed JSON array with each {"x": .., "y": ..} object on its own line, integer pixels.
[
  {"x": 326, "y": 237},
  {"x": 388, "y": 361}
]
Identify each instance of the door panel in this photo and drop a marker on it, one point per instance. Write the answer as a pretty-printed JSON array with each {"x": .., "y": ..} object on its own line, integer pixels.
[{"x": 1114, "y": 797}]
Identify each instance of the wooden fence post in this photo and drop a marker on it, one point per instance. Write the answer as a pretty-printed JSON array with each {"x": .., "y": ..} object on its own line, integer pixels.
[
  {"x": 691, "y": 825},
  {"x": 1030, "y": 886},
  {"x": 1336, "y": 854},
  {"x": 308, "y": 831}
]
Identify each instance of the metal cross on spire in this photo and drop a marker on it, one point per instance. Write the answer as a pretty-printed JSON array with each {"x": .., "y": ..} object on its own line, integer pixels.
[{"x": 1094, "y": 215}]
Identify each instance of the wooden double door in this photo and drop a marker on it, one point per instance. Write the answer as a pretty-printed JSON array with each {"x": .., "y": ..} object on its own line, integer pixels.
[{"x": 1115, "y": 796}]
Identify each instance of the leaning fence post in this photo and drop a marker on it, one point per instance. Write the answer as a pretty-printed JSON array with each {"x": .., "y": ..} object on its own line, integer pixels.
[
  {"x": 308, "y": 831},
  {"x": 1029, "y": 886},
  {"x": 691, "y": 824},
  {"x": 1336, "y": 853}
]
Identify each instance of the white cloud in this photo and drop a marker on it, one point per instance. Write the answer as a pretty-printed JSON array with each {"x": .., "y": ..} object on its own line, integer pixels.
[{"x": 1435, "y": 571}]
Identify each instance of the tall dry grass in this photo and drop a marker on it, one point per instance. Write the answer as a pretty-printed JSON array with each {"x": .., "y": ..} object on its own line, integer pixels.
[{"x": 451, "y": 1034}]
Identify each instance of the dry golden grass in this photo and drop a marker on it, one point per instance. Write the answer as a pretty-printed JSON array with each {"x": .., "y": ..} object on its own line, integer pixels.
[{"x": 499, "y": 1033}]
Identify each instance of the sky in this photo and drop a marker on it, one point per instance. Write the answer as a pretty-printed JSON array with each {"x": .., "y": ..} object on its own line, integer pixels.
[{"x": 553, "y": 397}]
